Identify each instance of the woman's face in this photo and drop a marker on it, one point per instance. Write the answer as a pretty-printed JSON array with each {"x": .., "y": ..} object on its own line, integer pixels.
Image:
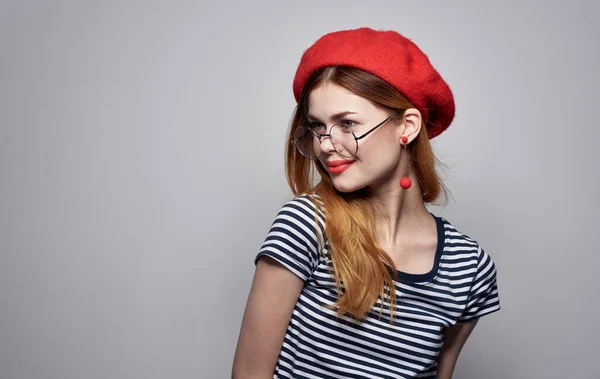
[{"x": 376, "y": 162}]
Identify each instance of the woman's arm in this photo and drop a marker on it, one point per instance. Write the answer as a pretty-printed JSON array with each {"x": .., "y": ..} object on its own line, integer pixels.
[
  {"x": 454, "y": 340},
  {"x": 271, "y": 302}
]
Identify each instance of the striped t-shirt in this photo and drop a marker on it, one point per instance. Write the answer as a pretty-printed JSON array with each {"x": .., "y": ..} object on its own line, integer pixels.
[{"x": 318, "y": 344}]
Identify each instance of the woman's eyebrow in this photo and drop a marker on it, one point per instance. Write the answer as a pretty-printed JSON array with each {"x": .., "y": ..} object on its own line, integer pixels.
[{"x": 336, "y": 116}]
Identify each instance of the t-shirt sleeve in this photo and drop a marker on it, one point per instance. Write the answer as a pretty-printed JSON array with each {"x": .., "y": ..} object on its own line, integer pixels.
[
  {"x": 292, "y": 238},
  {"x": 483, "y": 297}
]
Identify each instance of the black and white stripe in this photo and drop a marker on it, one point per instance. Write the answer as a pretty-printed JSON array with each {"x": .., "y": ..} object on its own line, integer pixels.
[{"x": 318, "y": 344}]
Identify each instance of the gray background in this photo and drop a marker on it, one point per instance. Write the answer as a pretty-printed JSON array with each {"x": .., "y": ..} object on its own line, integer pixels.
[{"x": 141, "y": 164}]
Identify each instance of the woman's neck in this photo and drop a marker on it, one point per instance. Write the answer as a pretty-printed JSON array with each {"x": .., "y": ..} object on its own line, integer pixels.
[{"x": 400, "y": 214}]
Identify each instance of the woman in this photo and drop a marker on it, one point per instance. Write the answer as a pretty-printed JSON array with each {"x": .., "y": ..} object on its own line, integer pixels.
[{"x": 356, "y": 278}]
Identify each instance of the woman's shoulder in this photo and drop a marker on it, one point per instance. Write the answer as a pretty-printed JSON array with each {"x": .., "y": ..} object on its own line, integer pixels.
[
  {"x": 453, "y": 232},
  {"x": 457, "y": 243},
  {"x": 307, "y": 203}
]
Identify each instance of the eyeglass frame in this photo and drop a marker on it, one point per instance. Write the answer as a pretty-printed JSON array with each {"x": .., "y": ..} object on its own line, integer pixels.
[{"x": 320, "y": 136}]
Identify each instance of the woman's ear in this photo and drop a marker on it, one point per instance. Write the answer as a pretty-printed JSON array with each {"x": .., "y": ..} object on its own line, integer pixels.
[{"x": 411, "y": 122}]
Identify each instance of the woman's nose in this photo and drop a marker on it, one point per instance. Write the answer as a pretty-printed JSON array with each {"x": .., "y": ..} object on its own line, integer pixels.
[{"x": 327, "y": 145}]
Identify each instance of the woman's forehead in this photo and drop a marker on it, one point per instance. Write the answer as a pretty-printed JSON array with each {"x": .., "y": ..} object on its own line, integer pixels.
[{"x": 330, "y": 99}]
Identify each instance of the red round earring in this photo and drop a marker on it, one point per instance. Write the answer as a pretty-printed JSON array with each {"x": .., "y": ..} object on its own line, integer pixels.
[{"x": 405, "y": 182}]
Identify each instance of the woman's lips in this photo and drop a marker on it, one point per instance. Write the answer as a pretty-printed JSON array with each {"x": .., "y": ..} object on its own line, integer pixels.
[{"x": 337, "y": 167}]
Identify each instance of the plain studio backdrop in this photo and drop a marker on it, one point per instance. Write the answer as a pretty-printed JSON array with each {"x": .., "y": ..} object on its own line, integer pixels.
[{"x": 141, "y": 165}]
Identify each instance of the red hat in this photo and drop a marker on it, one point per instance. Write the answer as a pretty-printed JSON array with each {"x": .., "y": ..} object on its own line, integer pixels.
[{"x": 393, "y": 58}]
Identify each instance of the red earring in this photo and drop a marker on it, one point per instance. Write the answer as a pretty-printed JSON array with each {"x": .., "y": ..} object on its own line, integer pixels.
[{"x": 405, "y": 182}]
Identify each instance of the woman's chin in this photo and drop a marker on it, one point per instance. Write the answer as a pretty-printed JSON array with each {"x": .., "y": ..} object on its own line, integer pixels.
[{"x": 346, "y": 186}]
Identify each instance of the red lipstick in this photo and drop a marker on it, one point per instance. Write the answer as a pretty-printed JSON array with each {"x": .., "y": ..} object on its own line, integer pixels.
[{"x": 337, "y": 167}]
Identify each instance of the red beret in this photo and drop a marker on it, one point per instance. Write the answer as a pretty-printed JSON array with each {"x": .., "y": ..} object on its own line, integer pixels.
[{"x": 393, "y": 58}]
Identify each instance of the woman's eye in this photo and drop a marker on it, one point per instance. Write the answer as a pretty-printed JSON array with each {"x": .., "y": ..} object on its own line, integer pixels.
[
  {"x": 348, "y": 123},
  {"x": 316, "y": 126}
]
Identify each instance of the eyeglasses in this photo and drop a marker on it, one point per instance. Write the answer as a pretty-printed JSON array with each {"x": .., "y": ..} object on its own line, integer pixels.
[{"x": 308, "y": 142}]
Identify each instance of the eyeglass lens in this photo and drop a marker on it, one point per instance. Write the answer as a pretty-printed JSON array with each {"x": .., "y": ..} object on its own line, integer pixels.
[{"x": 341, "y": 137}]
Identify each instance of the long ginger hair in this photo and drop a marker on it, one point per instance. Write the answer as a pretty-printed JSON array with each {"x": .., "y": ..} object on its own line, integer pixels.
[{"x": 363, "y": 271}]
